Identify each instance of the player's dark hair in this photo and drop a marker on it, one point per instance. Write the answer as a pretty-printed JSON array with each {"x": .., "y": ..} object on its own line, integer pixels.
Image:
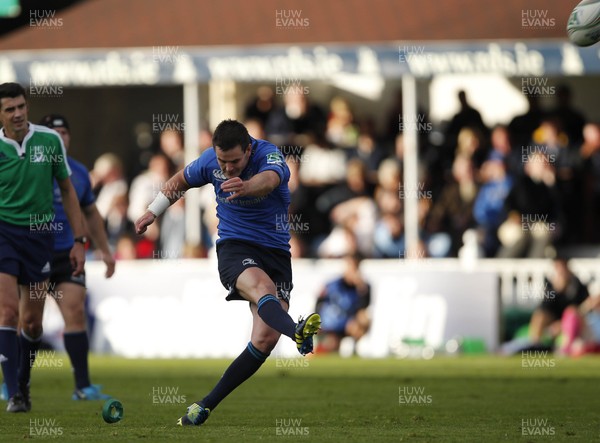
[
  {"x": 229, "y": 134},
  {"x": 12, "y": 90}
]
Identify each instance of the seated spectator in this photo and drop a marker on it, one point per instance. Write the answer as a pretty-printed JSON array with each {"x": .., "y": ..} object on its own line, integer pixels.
[
  {"x": 342, "y": 306},
  {"x": 108, "y": 182},
  {"x": 255, "y": 128},
  {"x": 568, "y": 166},
  {"x": 172, "y": 231},
  {"x": 341, "y": 241},
  {"x": 370, "y": 152},
  {"x": 489, "y": 206},
  {"x": 147, "y": 185},
  {"x": 297, "y": 117},
  {"x": 322, "y": 164},
  {"x": 116, "y": 222},
  {"x": 354, "y": 186},
  {"x": 125, "y": 247},
  {"x": 388, "y": 232},
  {"x": 590, "y": 154},
  {"x": 452, "y": 212},
  {"x": 470, "y": 143},
  {"x": 171, "y": 144},
  {"x": 533, "y": 212},
  {"x": 502, "y": 148},
  {"x": 321, "y": 167},
  {"x": 388, "y": 236},
  {"x": 342, "y": 132},
  {"x": 358, "y": 216}
]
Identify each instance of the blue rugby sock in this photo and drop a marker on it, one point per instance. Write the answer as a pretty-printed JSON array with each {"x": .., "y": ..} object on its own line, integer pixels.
[
  {"x": 29, "y": 347},
  {"x": 273, "y": 314},
  {"x": 240, "y": 370},
  {"x": 9, "y": 350},
  {"x": 77, "y": 346}
]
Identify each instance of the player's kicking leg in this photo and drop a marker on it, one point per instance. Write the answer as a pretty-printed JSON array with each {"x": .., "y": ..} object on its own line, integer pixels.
[
  {"x": 70, "y": 298},
  {"x": 262, "y": 341},
  {"x": 256, "y": 286},
  {"x": 270, "y": 320}
]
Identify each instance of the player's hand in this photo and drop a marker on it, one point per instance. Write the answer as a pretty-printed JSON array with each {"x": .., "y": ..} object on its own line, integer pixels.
[
  {"x": 235, "y": 185},
  {"x": 109, "y": 261},
  {"x": 77, "y": 257},
  {"x": 143, "y": 222}
]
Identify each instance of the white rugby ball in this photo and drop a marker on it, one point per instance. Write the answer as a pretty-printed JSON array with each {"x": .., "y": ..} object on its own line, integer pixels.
[{"x": 583, "y": 27}]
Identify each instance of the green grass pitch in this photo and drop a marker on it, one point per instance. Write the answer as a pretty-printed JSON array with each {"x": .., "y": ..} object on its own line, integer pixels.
[{"x": 325, "y": 399}]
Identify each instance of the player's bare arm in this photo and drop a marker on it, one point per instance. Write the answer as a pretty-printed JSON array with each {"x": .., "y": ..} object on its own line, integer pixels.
[
  {"x": 98, "y": 235},
  {"x": 261, "y": 184},
  {"x": 73, "y": 211},
  {"x": 172, "y": 191}
]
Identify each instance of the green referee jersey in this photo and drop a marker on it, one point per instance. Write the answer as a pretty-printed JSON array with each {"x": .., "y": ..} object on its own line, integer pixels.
[{"x": 27, "y": 173}]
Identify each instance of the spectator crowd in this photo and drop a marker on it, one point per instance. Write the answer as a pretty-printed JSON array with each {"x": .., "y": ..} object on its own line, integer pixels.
[{"x": 521, "y": 189}]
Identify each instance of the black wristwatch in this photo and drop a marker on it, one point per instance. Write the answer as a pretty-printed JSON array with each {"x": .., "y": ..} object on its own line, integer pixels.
[{"x": 82, "y": 239}]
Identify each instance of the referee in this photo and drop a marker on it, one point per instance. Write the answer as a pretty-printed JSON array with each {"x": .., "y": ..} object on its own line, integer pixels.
[{"x": 31, "y": 157}]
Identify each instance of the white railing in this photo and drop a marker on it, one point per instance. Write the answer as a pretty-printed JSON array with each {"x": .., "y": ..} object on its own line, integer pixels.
[{"x": 521, "y": 281}]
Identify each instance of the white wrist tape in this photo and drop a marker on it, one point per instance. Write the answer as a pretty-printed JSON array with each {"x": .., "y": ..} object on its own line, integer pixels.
[{"x": 159, "y": 205}]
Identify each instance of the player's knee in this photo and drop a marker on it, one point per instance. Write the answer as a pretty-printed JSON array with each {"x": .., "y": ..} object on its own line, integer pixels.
[
  {"x": 74, "y": 317},
  {"x": 265, "y": 286},
  {"x": 32, "y": 327},
  {"x": 267, "y": 342},
  {"x": 9, "y": 316}
]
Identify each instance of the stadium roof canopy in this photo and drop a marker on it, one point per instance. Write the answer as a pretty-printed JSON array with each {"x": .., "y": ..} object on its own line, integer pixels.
[{"x": 145, "y": 42}]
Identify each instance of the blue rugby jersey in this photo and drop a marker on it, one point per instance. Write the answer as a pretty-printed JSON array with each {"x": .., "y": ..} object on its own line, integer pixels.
[
  {"x": 63, "y": 235},
  {"x": 261, "y": 220}
]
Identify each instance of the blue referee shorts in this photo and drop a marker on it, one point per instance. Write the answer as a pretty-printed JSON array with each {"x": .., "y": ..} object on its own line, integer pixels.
[{"x": 25, "y": 253}]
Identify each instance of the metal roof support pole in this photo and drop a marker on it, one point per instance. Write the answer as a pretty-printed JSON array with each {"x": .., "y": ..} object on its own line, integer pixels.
[
  {"x": 222, "y": 101},
  {"x": 191, "y": 118},
  {"x": 410, "y": 186}
]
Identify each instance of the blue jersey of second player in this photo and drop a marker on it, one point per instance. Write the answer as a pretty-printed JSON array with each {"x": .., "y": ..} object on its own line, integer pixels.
[
  {"x": 261, "y": 220},
  {"x": 63, "y": 235}
]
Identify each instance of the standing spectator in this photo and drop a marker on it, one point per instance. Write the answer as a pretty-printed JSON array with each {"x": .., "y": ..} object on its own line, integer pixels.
[
  {"x": 467, "y": 116},
  {"x": 572, "y": 121},
  {"x": 522, "y": 126},
  {"x": 261, "y": 106}
]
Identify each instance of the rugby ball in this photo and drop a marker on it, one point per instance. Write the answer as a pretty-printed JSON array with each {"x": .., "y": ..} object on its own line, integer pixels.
[{"x": 583, "y": 27}]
